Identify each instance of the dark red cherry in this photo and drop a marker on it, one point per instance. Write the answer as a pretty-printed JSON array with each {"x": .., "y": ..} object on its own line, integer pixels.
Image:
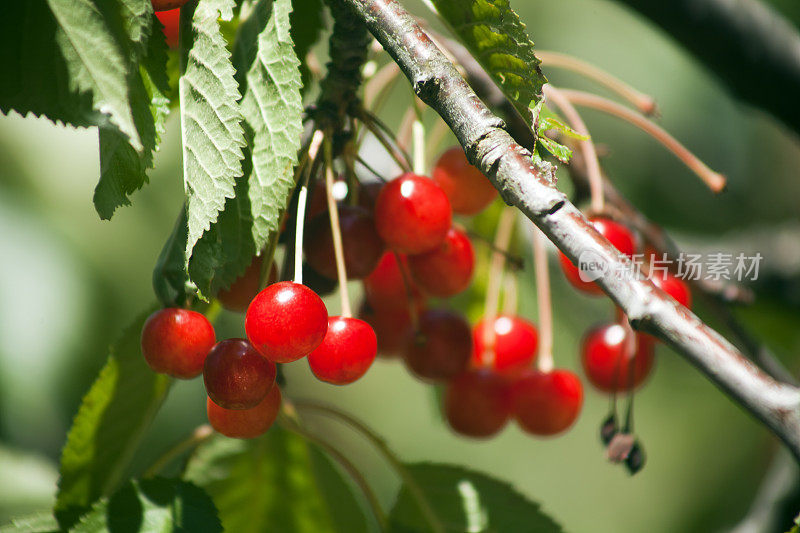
[
  {"x": 673, "y": 286},
  {"x": 547, "y": 403},
  {"x": 412, "y": 214},
  {"x": 368, "y": 195},
  {"x": 171, "y": 21},
  {"x": 245, "y": 423},
  {"x": 236, "y": 375},
  {"x": 166, "y": 5},
  {"x": 391, "y": 327},
  {"x": 346, "y": 353},
  {"x": 361, "y": 244},
  {"x": 286, "y": 321},
  {"x": 447, "y": 269},
  {"x": 606, "y": 360},
  {"x": 385, "y": 287},
  {"x": 176, "y": 342},
  {"x": 469, "y": 191},
  {"x": 478, "y": 403},
  {"x": 322, "y": 285},
  {"x": 617, "y": 234},
  {"x": 238, "y": 296},
  {"x": 442, "y": 346},
  {"x": 515, "y": 345}
]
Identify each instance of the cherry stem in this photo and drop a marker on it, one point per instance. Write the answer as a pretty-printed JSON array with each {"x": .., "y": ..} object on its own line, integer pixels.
[
  {"x": 514, "y": 261},
  {"x": 594, "y": 176},
  {"x": 198, "y": 436},
  {"x": 316, "y": 140},
  {"x": 436, "y": 136},
  {"x": 418, "y": 135},
  {"x": 404, "y": 132},
  {"x": 360, "y": 160},
  {"x": 376, "y": 87},
  {"x": 543, "y": 301},
  {"x": 336, "y": 231},
  {"x": 382, "y": 133},
  {"x": 502, "y": 240},
  {"x": 713, "y": 180},
  {"x": 510, "y": 293},
  {"x": 412, "y": 303},
  {"x": 644, "y": 103}
]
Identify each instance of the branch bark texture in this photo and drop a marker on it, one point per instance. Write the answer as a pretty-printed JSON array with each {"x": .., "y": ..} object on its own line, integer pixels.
[{"x": 510, "y": 168}]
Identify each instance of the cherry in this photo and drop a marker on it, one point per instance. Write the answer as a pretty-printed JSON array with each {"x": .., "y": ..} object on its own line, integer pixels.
[
  {"x": 390, "y": 325},
  {"x": 446, "y": 270},
  {"x": 412, "y": 214},
  {"x": 322, "y": 285},
  {"x": 442, "y": 346},
  {"x": 385, "y": 287},
  {"x": 242, "y": 291},
  {"x": 515, "y": 344},
  {"x": 245, "y": 423},
  {"x": 176, "y": 342},
  {"x": 167, "y": 5},
  {"x": 346, "y": 353},
  {"x": 469, "y": 191},
  {"x": 286, "y": 321},
  {"x": 171, "y": 21},
  {"x": 673, "y": 286},
  {"x": 607, "y": 363},
  {"x": 236, "y": 375},
  {"x": 368, "y": 195},
  {"x": 478, "y": 403},
  {"x": 547, "y": 403},
  {"x": 362, "y": 245},
  {"x": 617, "y": 234}
]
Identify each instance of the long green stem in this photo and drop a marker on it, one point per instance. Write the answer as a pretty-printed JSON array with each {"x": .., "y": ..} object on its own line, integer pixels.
[{"x": 199, "y": 435}]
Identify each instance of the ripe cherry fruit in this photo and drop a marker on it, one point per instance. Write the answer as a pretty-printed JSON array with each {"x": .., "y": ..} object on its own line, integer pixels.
[
  {"x": 286, "y": 321},
  {"x": 166, "y": 5},
  {"x": 176, "y": 342},
  {"x": 447, "y": 269},
  {"x": 468, "y": 190},
  {"x": 515, "y": 344},
  {"x": 547, "y": 403},
  {"x": 617, "y": 234},
  {"x": 386, "y": 287},
  {"x": 171, "y": 21},
  {"x": 478, "y": 403},
  {"x": 236, "y": 375},
  {"x": 607, "y": 360},
  {"x": 346, "y": 353},
  {"x": 412, "y": 214},
  {"x": 442, "y": 346},
  {"x": 391, "y": 326},
  {"x": 238, "y": 296},
  {"x": 673, "y": 286},
  {"x": 245, "y": 423}
]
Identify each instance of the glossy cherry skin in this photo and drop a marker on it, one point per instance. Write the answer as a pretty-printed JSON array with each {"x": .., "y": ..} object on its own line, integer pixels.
[
  {"x": 286, "y": 321},
  {"x": 442, "y": 346},
  {"x": 673, "y": 286},
  {"x": 236, "y": 375},
  {"x": 478, "y": 403},
  {"x": 171, "y": 21},
  {"x": 515, "y": 344},
  {"x": 176, "y": 342},
  {"x": 245, "y": 423},
  {"x": 391, "y": 327},
  {"x": 238, "y": 296},
  {"x": 361, "y": 244},
  {"x": 385, "y": 287},
  {"x": 617, "y": 234},
  {"x": 468, "y": 190},
  {"x": 606, "y": 362},
  {"x": 447, "y": 269},
  {"x": 346, "y": 353},
  {"x": 412, "y": 214},
  {"x": 167, "y": 5},
  {"x": 547, "y": 403}
]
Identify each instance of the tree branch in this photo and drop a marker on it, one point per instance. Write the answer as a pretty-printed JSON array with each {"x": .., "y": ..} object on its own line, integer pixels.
[{"x": 509, "y": 166}]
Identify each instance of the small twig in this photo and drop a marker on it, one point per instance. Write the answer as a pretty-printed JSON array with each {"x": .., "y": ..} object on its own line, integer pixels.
[
  {"x": 400, "y": 157},
  {"x": 336, "y": 231},
  {"x": 360, "y": 160},
  {"x": 544, "y": 361}
]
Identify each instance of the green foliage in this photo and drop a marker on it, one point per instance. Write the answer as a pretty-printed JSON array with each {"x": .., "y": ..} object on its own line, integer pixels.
[
  {"x": 269, "y": 484},
  {"x": 37, "y": 523},
  {"x": 464, "y": 500},
  {"x": 26, "y": 483},
  {"x": 111, "y": 421}
]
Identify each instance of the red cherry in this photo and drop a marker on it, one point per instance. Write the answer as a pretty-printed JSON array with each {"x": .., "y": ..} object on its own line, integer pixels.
[
  {"x": 176, "y": 342},
  {"x": 362, "y": 245},
  {"x": 673, "y": 286},
  {"x": 391, "y": 327},
  {"x": 242, "y": 291},
  {"x": 547, "y": 403},
  {"x": 286, "y": 321},
  {"x": 245, "y": 423},
  {"x": 385, "y": 287},
  {"x": 236, "y": 375},
  {"x": 441, "y": 348},
  {"x": 617, "y": 234},
  {"x": 515, "y": 345},
  {"x": 446, "y": 270},
  {"x": 167, "y": 5},
  {"x": 412, "y": 214},
  {"x": 469, "y": 191},
  {"x": 606, "y": 361},
  {"x": 478, "y": 403},
  {"x": 346, "y": 353},
  {"x": 171, "y": 21}
]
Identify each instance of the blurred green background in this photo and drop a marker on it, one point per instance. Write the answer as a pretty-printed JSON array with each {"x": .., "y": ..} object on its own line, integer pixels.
[{"x": 69, "y": 283}]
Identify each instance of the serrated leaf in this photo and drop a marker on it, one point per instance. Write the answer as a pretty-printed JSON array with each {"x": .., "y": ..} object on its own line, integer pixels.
[
  {"x": 497, "y": 39},
  {"x": 465, "y": 500},
  {"x": 153, "y": 505},
  {"x": 37, "y": 523},
  {"x": 561, "y": 152},
  {"x": 211, "y": 127},
  {"x": 110, "y": 423},
  {"x": 267, "y": 484}
]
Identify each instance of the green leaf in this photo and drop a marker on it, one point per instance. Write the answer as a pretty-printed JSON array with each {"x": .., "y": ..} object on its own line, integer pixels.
[
  {"x": 561, "y": 152},
  {"x": 38, "y": 523},
  {"x": 110, "y": 423},
  {"x": 496, "y": 37},
  {"x": 153, "y": 505},
  {"x": 465, "y": 500},
  {"x": 211, "y": 126},
  {"x": 268, "y": 484}
]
